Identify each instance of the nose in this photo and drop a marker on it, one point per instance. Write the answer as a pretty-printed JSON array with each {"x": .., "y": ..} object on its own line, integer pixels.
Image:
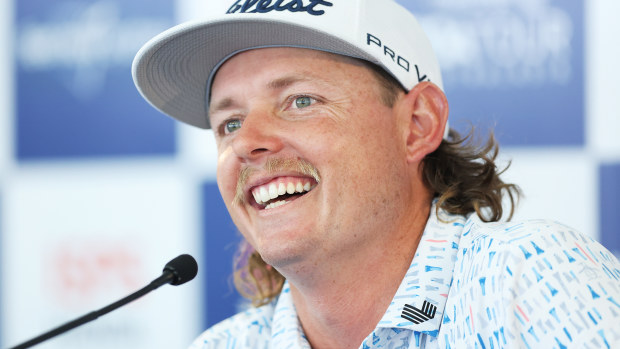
[{"x": 258, "y": 136}]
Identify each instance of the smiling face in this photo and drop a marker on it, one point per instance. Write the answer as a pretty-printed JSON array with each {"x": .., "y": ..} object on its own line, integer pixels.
[{"x": 312, "y": 164}]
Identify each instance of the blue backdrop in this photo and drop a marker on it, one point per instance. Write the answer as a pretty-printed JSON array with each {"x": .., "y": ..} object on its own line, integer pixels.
[
  {"x": 521, "y": 62},
  {"x": 221, "y": 239},
  {"x": 609, "y": 192},
  {"x": 75, "y": 95}
]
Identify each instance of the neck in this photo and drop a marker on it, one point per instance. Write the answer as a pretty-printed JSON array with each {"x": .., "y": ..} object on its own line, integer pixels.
[{"x": 349, "y": 295}]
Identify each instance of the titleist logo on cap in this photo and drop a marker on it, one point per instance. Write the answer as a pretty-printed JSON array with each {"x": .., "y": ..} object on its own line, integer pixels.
[{"x": 313, "y": 7}]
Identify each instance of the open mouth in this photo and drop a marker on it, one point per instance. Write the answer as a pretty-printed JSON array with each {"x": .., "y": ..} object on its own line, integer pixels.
[{"x": 281, "y": 191}]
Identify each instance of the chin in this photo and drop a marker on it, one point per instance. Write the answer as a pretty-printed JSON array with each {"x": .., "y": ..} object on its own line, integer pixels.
[{"x": 280, "y": 256}]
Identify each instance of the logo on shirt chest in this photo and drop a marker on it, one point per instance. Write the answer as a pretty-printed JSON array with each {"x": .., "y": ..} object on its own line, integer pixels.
[{"x": 418, "y": 316}]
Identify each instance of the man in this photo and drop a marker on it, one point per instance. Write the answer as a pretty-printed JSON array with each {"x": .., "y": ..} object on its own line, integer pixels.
[{"x": 365, "y": 220}]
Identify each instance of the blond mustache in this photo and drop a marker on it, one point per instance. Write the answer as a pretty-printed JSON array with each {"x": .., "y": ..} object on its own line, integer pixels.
[{"x": 272, "y": 166}]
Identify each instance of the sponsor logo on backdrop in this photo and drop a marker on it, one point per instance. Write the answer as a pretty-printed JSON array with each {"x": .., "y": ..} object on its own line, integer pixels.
[
  {"x": 83, "y": 42},
  {"x": 79, "y": 272},
  {"x": 503, "y": 43},
  {"x": 496, "y": 54},
  {"x": 73, "y": 79}
]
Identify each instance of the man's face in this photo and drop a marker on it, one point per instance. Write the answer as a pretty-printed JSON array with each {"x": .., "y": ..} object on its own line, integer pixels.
[{"x": 276, "y": 108}]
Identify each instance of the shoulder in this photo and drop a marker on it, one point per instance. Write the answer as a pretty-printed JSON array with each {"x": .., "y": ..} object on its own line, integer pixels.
[
  {"x": 507, "y": 232},
  {"x": 533, "y": 246},
  {"x": 539, "y": 282},
  {"x": 532, "y": 237},
  {"x": 249, "y": 329}
]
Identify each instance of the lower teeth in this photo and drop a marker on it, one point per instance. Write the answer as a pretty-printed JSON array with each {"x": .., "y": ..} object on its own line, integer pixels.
[{"x": 275, "y": 204}]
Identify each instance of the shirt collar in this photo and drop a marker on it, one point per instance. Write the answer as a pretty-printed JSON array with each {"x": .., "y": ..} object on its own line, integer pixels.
[
  {"x": 287, "y": 331},
  {"x": 428, "y": 279},
  {"x": 422, "y": 295}
]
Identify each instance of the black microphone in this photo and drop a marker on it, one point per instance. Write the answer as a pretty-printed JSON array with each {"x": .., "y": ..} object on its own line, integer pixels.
[{"x": 176, "y": 272}]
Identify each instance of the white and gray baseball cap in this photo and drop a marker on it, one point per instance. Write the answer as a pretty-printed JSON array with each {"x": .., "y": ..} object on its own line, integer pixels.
[{"x": 175, "y": 69}]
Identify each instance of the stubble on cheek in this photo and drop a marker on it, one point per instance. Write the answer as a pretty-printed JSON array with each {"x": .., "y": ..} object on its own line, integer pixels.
[{"x": 274, "y": 165}]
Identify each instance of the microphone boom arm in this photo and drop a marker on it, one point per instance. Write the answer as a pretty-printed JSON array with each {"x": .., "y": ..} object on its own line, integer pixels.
[{"x": 176, "y": 272}]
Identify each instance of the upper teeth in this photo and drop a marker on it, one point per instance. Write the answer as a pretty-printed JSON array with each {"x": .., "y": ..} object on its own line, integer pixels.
[{"x": 270, "y": 191}]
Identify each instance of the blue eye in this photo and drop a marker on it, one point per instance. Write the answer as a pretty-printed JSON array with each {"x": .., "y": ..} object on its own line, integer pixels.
[
  {"x": 232, "y": 125},
  {"x": 303, "y": 101}
]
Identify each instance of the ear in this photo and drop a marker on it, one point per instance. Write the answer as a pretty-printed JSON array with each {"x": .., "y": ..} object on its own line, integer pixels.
[{"x": 425, "y": 113}]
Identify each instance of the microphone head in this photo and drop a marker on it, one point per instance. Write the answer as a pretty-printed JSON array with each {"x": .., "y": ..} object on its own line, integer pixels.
[{"x": 183, "y": 268}]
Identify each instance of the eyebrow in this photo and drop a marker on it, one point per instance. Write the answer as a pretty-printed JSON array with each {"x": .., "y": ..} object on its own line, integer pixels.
[
  {"x": 276, "y": 84},
  {"x": 285, "y": 82},
  {"x": 222, "y": 105}
]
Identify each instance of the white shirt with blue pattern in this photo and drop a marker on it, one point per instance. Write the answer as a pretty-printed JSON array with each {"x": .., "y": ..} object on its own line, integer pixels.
[{"x": 535, "y": 284}]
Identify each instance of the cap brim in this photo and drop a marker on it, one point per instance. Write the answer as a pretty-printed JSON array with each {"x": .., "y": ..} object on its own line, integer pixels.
[{"x": 174, "y": 69}]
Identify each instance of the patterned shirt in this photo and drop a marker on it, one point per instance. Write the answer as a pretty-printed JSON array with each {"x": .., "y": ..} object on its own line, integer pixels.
[{"x": 535, "y": 284}]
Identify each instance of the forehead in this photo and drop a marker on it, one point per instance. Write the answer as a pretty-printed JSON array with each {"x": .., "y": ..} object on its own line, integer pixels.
[
  {"x": 270, "y": 63},
  {"x": 289, "y": 53}
]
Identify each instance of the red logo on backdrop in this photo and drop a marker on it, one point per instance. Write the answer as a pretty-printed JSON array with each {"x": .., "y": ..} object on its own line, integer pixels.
[{"x": 82, "y": 273}]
